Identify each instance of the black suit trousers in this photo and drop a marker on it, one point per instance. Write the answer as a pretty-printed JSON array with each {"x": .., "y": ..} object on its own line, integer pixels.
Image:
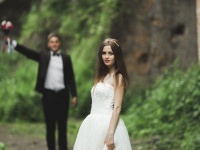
[{"x": 55, "y": 106}]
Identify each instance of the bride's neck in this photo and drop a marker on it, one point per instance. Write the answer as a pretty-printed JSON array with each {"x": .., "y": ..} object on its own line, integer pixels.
[{"x": 112, "y": 70}]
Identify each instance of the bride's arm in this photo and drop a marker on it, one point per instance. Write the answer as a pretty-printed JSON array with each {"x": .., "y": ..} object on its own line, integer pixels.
[{"x": 118, "y": 97}]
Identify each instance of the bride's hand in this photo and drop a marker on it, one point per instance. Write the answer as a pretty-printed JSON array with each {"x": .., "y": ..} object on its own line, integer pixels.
[{"x": 110, "y": 142}]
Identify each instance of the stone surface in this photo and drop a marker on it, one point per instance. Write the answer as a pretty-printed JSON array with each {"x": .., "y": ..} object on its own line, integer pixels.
[
  {"x": 198, "y": 26},
  {"x": 154, "y": 33}
]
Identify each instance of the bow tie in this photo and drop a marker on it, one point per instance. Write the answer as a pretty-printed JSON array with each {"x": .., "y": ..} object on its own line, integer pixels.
[{"x": 56, "y": 54}]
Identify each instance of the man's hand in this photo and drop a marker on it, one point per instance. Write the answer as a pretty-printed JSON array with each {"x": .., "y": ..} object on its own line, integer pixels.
[{"x": 74, "y": 101}]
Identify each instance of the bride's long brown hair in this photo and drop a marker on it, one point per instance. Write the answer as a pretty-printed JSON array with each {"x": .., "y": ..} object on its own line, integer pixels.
[{"x": 120, "y": 67}]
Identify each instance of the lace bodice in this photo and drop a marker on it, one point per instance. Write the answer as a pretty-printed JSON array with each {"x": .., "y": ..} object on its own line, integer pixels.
[{"x": 102, "y": 98}]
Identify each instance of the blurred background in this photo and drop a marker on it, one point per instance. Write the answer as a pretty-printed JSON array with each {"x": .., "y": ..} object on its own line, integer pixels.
[{"x": 160, "y": 40}]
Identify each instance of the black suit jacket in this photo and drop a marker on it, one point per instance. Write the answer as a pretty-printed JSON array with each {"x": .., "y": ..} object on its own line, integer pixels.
[{"x": 43, "y": 58}]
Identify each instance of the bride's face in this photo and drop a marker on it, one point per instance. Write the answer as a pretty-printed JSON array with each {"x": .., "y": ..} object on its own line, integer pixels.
[{"x": 108, "y": 56}]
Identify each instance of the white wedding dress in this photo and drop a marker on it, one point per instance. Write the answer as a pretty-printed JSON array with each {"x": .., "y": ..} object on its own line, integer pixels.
[{"x": 94, "y": 128}]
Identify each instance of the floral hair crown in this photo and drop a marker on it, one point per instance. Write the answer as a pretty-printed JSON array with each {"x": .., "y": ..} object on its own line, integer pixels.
[{"x": 115, "y": 43}]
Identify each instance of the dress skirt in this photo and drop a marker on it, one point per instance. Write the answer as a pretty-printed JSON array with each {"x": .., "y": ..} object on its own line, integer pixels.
[{"x": 93, "y": 131}]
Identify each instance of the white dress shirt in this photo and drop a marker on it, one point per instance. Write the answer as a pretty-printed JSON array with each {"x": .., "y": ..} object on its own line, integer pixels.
[{"x": 55, "y": 76}]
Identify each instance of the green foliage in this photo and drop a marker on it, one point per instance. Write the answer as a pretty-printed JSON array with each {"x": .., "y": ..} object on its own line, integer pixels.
[
  {"x": 17, "y": 97},
  {"x": 170, "y": 110},
  {"x": 2, "y": 146}
]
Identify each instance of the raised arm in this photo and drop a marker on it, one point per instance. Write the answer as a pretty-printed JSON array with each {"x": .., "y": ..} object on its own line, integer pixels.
[
  {"x": 34, "y": 55},
  {"x": 118, "y": 98}
]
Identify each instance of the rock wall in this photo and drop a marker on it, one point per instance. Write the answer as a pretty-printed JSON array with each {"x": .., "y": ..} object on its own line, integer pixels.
[
  {"x": 154, "y": 33},
  {"x": 198, "y": 27}
]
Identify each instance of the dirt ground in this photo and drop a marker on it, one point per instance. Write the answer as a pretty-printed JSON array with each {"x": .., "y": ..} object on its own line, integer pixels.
[{"x": 15, "y": 141}]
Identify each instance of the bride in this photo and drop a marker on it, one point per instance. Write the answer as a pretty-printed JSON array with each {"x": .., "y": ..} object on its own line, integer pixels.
[{"x": 103, "y": 129}]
